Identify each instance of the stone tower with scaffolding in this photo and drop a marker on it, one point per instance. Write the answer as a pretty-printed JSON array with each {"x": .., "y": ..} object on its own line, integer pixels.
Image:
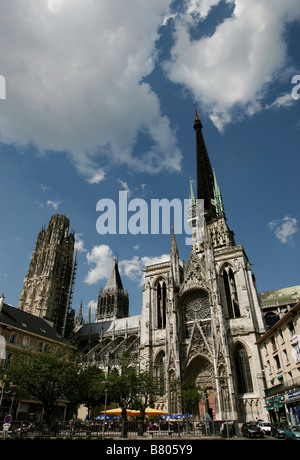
[{"x": 48, "y": 284}]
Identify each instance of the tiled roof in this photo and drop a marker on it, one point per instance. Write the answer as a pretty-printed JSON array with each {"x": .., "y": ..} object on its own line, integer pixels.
[{"x": 15, "y": 318}]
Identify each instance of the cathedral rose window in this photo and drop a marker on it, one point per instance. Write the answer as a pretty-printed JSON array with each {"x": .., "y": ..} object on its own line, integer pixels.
[{"x": 197, "y": 307}]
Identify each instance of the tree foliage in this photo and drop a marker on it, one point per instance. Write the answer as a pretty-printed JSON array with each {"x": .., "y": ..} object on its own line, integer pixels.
[
  {"x": 45, "y": 376},
  {"x": 188, "y": 394}
]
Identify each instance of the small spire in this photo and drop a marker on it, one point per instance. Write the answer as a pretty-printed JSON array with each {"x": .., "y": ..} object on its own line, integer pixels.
[
  {"x": 79, "y": 319},
  {"x": 217, "y": 201}
]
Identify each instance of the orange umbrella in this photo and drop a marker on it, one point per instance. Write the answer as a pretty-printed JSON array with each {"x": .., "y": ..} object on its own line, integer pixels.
[
  {"x": 118, "y": 411},
  {"x": 150, "y": 411}
]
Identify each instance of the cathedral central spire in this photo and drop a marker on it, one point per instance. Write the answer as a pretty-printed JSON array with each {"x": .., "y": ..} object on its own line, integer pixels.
[
  {"x": 113, "y": 301},
  {"x": 205, "y": 177}
]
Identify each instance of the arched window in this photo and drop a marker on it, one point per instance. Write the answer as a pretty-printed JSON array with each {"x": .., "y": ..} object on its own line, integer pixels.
[
  {"x": 242, "y": 368},
  {"x": 231, "y": 293},
  {"x": 160, "y": 373},
  {"x": 161, "y": 304}
]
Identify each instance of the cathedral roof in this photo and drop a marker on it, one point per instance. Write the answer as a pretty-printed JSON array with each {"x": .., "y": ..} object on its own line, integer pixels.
[
  {"x": 111, "y": 326},
  {"x": 114, "y": 282}
]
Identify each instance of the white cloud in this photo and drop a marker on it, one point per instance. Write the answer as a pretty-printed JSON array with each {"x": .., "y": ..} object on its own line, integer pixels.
[
  {"x": 133, "y": 268},
  {"x": 284, "y": 229},
  {"x": 44, "y": 188},
  {"x": 285, "y": 100},
  {"x": 229, "y": 70},
  {"x": 53, "y": 204},
  {"x": 75, "y": 75},
  {"x": 97, "y": 177},
  {"x": 79, "y": 243},
  {"x": 102, "y": 261},
  {"x": 125, "y": 186}
]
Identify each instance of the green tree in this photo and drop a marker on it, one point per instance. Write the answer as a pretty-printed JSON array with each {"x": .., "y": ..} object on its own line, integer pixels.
[
  {"x": 91, "y": 387},
  {"x": 45, "y": 376},
  {"x": 147, "y": 392},
  {"x": 188, "y": 394},
  {"x": 124, "y": 383}
]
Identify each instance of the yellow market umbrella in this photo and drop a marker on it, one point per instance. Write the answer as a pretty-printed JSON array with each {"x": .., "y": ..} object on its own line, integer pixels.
[
  {"x": 155, "y": 412},
  {"x": 118, "y": 411}
]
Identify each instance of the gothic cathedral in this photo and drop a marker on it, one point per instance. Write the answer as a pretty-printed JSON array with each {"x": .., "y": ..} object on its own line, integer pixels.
[{"x": 200, "y": 321}]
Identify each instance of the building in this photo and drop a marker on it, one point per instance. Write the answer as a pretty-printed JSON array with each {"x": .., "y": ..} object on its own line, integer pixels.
[
  {"x": 280, "y": 350},
  {"x": 277, "y": 303},
  {"x": 47, "y": 291},
  {"x": 22, "y": 332},
  {"x": 200, "y": 321},
  {"x": 113, "y": 330}
]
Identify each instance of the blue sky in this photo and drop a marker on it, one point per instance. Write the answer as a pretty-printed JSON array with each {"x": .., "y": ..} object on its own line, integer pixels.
[{"x": 99, "y": 98}]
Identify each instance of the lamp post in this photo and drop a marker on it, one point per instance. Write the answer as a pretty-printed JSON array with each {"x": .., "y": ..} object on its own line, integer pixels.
[{"x": 105, "y": 404}]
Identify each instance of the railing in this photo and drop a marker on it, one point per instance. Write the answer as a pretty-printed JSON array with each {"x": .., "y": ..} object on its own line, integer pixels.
[
  {"x": 119, "y": 429},
  {"x": 282, "y": 387}
]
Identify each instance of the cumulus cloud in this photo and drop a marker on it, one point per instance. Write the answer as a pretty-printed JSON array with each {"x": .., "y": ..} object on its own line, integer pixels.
[
  {"x": 79, "y": 243},
  {"x": 229, "y": 70},
  {"x": 75, "y": 75},
  {"x": 284, "y": 229},
  {"x": 101, "y": 260},
  {"x": 133, "y": 268}
]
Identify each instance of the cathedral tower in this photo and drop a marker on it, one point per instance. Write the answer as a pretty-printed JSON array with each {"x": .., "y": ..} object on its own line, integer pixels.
[
  {"x": 200, "y": 322},
  {"x": 113, "y": 301},
  {"x": 219, "y": 309},
  {"x": 47, "y": 290}
]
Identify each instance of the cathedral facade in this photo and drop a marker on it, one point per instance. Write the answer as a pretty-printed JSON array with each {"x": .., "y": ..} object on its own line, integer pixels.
[{"x": 200, "y": 321}]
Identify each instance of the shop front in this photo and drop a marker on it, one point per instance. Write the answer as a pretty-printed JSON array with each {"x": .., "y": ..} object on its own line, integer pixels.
[
  {"x": 275, "y": 406},
  {"x": 293, "y": 407}
]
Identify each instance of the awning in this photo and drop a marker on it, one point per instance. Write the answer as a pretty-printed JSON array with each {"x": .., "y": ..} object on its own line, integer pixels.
[
  {"x": 134, "y": 413},
  {"x": 118, "y": 411},
  {"x": 155, "y": 412}
]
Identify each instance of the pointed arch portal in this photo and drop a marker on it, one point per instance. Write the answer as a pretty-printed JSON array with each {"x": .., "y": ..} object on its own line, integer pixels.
[{"x": 200, "y": 371}]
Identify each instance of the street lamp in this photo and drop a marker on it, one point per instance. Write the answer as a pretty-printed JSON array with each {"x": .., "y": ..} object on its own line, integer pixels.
[{"x": 105, "y": 404}]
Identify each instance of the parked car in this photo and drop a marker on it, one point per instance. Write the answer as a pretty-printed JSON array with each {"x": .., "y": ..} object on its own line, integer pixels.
[
  {"x": 292, "y": 432},
  {"x": 252, "y": 430},
  {"x": 265, "y": 427},
  {"x": 277, "y": 431}
]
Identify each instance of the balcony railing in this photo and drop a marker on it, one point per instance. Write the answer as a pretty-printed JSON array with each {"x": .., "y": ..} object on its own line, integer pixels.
[{"x": 282, "y": 387}]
